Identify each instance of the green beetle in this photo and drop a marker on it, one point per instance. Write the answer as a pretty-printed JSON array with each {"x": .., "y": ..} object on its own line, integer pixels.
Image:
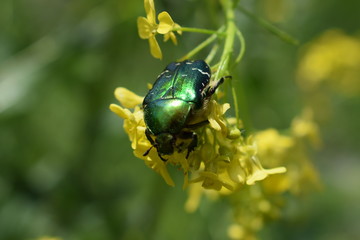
[{"x": 177, "y": 104}]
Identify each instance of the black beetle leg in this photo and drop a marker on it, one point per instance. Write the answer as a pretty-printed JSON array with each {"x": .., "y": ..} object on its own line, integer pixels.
[
  {"x": 194, "y": 142},
  {"x": 147, "y": 151},
  {"x": 179, "y": 147},
  {"x": 148, "y": 136},
  {"x": 212, "y": 90},
  {"x": 163, "y": 159}
]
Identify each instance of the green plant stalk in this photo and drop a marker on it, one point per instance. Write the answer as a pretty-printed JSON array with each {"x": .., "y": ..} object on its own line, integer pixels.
[
  {"x": 198, "y": 48},
  {"x": 203, "y": 44},
  {"x": 212, "y": 53},
  {"x": 229, "y": 39},
  {"x": 197, "y": 30},
  {"x": 242, "y": 46},
  {"x": 231, "y": 30},
  {"x": 271, "y": 28}
]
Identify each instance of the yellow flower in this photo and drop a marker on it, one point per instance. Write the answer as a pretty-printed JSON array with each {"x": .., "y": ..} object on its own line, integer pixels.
[
  {"x": 238, "y": 232},
  {"x": 193, "y": 201},
  {"x": 223, "y": 161},
  {"x": 148, "y": 27},
  {"x": 332, "y": 60},
  {"x": 304, "y": 127},
  {"x": 253, "y": 204},
  {"x": 134, "y": 126},
  {"x": 272, "y": 146},
  {"x": 214, "y": 180},
  {"x": 276, "y": 149},
  {"x": 216, "y": 120},
  {"x": 255, "y": 171},
  {"x": 227, "y": 164}
]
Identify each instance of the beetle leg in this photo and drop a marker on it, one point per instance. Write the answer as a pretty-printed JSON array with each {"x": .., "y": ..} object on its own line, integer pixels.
[
  {"x": 179, "y": 147},
  {"x": 212, "y": 90},
  {"x": 153, "y": 143},
  {"x": 194, "y": 141},
  {"x": 148, "y": 136},
  {"x": 147, "y": 151},
  {"x": 163, "y": 159},
  {"x": 193, "y": 144}
]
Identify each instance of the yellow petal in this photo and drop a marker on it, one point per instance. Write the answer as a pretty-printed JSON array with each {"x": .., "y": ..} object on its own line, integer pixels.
[
  {"x": 304, "y": 127},
  {"x": 210, "y": 183},
  {"x": 165, "y": 23},
  {"x": 155, "y": 48},
  {"x": 173, "y": 37},
  {"x": 225, "y": 107},
  {"x": 166, "y": 37},
  {"x": 150, "y": 10},
  {"x": 166, "y": 176},
  {"x": 121, "y": 112},
  {"x": 145, "y": 28},
  {"x": 127, "y": 98},
  {"x": 194, "y": 197},
  {"x": 276, "y": 184},
  {"x": 214, "y": 124},
  {"x": 236, "y": 231},
  {"x": 178, "y": 26},
  {"x": 170, "y": 35},
  {"x": 236, "y": 172},
  {"x": 260, "y": 173}
]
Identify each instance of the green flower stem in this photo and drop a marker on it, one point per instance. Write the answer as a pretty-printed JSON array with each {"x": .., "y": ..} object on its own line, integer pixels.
[
  {"x": 236, "y": 105},
  {"x": 271, "y": 28},
  {"x": 242, "y": 46},
  {"x": 231, "y": 31},
  {"x": 212, "y": 53},
  {"x": 198, "y": 30},
  {"x": 229, "y": 40},
  {"x": 202, "y": 45},
  {"x": 198, "y": 48}
]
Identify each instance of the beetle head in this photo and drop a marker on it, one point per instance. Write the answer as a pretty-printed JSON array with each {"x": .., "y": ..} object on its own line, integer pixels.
[{"x": 165, "y": 143}]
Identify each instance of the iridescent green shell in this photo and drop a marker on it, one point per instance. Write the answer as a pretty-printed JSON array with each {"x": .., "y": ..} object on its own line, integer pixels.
[{"x": 178, "y": 90}]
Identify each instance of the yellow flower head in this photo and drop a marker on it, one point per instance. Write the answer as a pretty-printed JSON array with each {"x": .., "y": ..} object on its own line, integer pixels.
[
  {"x": 333, "y": 59},
  {"x": 148, "y": 28},
  {"x": 289, "y": 150},
  {"x": 223, "y": 160}
]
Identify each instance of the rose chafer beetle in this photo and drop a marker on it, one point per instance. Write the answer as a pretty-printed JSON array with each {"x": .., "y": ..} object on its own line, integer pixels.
[{"x": 177, "y": 104}]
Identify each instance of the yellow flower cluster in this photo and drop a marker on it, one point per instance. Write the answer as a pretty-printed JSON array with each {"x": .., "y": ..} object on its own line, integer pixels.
[
  {"x": 148, "y": 28},
  {"x": 49, "y": 238},
  {"x": 223, "y": 159},
  {"x": 333, "y": 59},
  {"x": 252, "y": 206}
]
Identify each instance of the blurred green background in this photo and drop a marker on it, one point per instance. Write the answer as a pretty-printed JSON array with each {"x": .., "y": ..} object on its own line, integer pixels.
[{"x": 66, "y": 165}]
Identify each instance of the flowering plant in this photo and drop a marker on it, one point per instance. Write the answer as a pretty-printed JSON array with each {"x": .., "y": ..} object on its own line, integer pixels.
[{"x": 225, "y": 160}]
